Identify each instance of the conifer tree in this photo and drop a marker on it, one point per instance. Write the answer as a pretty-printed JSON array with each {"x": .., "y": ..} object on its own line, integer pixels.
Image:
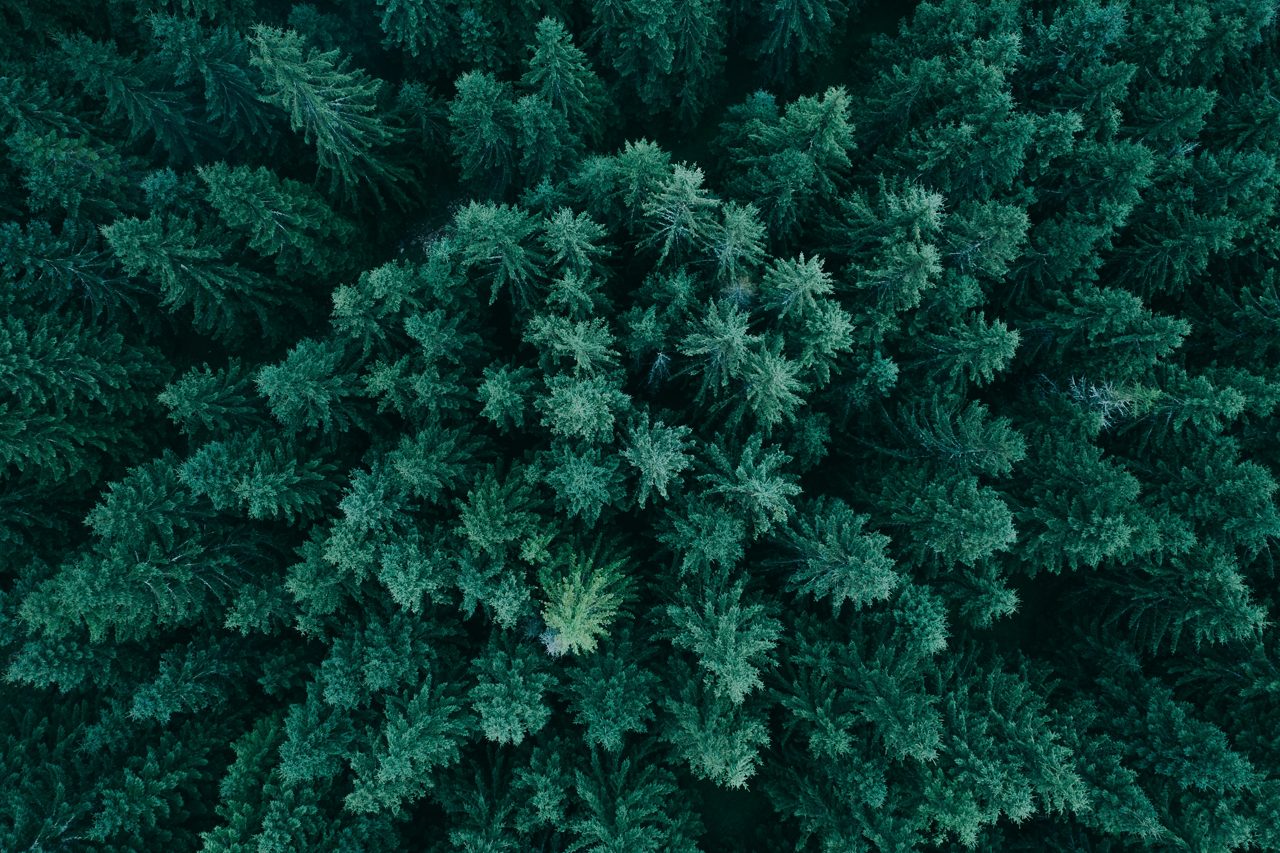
[
  {"x": 332, "y": 105},
  {"x": 279, "y": 217},
  {"x": 220, "y": 60},
  {"x": 560, "y": 75},
  {"x": 186, "y": 264},
  {"x": 131, "y": 93},
  {"x": 483, "y": 128},
  {"x": 796, "y": 32},
  {"x": 894, "y": 470}
]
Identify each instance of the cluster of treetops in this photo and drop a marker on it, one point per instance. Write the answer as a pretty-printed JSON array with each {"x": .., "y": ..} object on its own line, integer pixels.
[{"x": 639, "y": 425}]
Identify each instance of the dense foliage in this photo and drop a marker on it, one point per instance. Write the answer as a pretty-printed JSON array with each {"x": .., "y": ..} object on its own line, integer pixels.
[{"x": 639, "y": 425}]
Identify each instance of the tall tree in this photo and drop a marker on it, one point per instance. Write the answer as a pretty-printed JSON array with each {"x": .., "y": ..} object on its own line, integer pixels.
[{"x": 333, "y": 105}]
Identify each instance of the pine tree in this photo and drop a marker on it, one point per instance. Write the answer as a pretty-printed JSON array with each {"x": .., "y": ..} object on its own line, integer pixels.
[
  {"x": 659, "y": 453},
  {"x": 756, "y": 486},
  {"x": 581, "y": 599},
  {"x": 793, "y": 159},
  {"x": 279, "y": 217},
  {"x": 720, "y": 740},
  {"x": 334, "y": 108},
  {"x": 681, "y": 214},
  {"x": 422, "y": 28},
  {"x": 542, "y": 135},
  {"x": 585, "y": 482},
  {"x": 76, "y": 396},
  {"x": 508, "y": 694},
  {"x": 796, "y": 33},
  {"x": 422, "y": 733},
  {"x": 71, "y": 176},
  {"x": 836, "y": 559},
  {"x": 186, "y": 263},
  {"x": 576, "y": 243},
  {"x": 498, "y": 240},
  {"x": 731, "y": 640},
  {"x": 560, "y": 75},
  {"x": 132, "y": 93},
  {"x": 611, "y": 695},
  {"x": 219, "y": 59},
  {"x": 628, "y": 805},
  {"x": 585, "y": 409},
  {"x": 310, "y": 388},
  {"x": 483, "y": 131}
]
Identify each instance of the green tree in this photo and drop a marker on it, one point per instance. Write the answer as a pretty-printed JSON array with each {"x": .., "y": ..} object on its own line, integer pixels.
[
  {"x": 498, "y": 239},
  {"x": 311, "y": 388},
  {"x": 757, "y": 485},
  {"x": 836, "y": 559},
  {"x": 483, "y": 131},
  {"x": 132, "y": 93},
  {"x": 560, "y": 75},
  {"x": 219, "y": 59},
  {"x": 798, "y": 32},
  {"x": 278, "y": 217},
  {"x": 581, "y": 599},
  {"x": 509, "y": 693},
  {"x": 659, "y": 453},
  {"x": 585, "y": 482},
  {"x": 422, "y": 28},
  {"x": 792, "y": 159},
  {"x": 186, "y": 263},
  {"x": 732, "y": 640},
  {"x": 333, "y": 105},
  {"x": 422, "y": 733},
  {"x": 611, "y": 695}
]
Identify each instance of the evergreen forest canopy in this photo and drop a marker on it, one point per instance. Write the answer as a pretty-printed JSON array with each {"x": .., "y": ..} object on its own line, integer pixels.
[{"x": 639, "y": 425}]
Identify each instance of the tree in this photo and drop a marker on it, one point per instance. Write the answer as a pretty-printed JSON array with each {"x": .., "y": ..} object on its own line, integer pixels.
[
  {"x": 955, "y": 518},
  {"x": 756, "y": 486},
  {"x": 69, "y": 175},
  {"x": 310, "y": 388},
  {"x": 422, "y": 28},
  {"x": 627, "y": 805},
  {"x": 543, "y": 137},
  {"x": 792, "y": 160},
  {"x": 219, "y": 59},
  {"x": 76, "y": 396},
  {"x": 586, "y": 346},
  {"x": 508, "y": 694},
  {"x": 583, "y": 409},
  {"x": 483, "y": 131},
  {"x": 422, "y": 733},
  {"x": 659, "y": 453},
  {"x": 575, "y": 242},
  {"x": 498, "y": 240},
  {"x": 581, "y": 599},
  {"x": 836, "y": 559},
  {"x": 131, "y": 93},
  {"x": 796, "y": 32},
  {"x": 730, "y": 639},
  {"x": 186, "y": 262},
  {"x": 611, "y": 695},
  {"x": 737, "y": 248},
  {"x": 723, "y": 345},
  {"x": 69, "y": 268},
  {"x": 720, "y": 740},
  {"x": 560, "y": 75},
  {"x": 585, "y": 482},
  {"x": 204, "y": 402},
  {"x": 334, "y": 107},
  {"x": 681, "y": 214},
  {"x": 279, "y": 217}
]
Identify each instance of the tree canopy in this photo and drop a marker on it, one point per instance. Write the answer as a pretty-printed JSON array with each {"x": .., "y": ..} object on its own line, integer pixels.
[{"x": 645, "y": 425}]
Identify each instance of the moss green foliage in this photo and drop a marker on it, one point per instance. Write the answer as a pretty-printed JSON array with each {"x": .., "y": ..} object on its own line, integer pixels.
[{"x": 639, "y": 425}]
